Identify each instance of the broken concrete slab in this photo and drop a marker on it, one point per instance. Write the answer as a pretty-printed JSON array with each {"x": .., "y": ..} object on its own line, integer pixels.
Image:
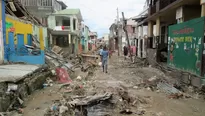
[{"x": 15, "y": 72}]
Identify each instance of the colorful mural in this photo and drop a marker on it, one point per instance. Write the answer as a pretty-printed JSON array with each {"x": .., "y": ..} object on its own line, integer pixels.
[{"x": 185, "y": 45}]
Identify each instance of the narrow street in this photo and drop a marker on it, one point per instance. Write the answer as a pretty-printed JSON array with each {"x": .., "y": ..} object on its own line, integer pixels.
[{"x": 122, "y": 81}]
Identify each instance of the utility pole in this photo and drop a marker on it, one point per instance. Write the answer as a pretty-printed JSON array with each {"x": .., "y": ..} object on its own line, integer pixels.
[
  {"x": 128, "y": 42},
  {"x": 118, "y": 34}
]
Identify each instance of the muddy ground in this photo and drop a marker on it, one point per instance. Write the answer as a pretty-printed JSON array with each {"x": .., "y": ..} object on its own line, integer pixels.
[{"x": 122, "y": 81}]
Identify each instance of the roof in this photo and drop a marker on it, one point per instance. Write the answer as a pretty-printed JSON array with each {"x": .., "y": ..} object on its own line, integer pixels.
[
  {"x": 62, "y": 4},
  {"x": 69, "y": 12}
]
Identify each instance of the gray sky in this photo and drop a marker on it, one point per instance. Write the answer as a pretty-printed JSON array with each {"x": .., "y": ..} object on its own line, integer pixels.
[{"x": 98, "y": 15}]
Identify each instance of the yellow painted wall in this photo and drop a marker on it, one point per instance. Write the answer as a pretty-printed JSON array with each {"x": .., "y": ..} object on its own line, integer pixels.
[
  {"x": 20, "y": 28},
  {"x": 41, "y": 38}
]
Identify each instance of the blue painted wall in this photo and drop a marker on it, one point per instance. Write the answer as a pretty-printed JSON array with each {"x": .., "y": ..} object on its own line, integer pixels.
[{"x": 28, "y": 59}]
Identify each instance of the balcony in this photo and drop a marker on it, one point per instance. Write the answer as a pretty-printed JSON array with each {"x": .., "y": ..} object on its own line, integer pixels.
[
  {"x": 159, "y": 5},
  {"x": 62, "y": 28},
  {"x": 40, "y": 6}
]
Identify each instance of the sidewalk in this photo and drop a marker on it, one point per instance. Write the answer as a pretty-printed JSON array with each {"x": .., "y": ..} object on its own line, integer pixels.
[
  {"x": 15, "y": 72},
  {"x": 17, "y": 81}
]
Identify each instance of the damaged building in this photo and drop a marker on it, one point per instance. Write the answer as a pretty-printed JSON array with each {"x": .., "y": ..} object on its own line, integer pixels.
[
  {"x": 65, "y": 28},
  {"x": 175, "y": 35}
]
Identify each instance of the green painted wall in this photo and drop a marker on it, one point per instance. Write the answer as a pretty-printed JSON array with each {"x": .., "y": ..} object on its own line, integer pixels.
[
  {"x": 185, "y": 44},
  {"x": 51, "y": 22}
]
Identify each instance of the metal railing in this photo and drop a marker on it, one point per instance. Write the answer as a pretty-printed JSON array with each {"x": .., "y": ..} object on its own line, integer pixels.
[{"x": 42, "y": 3}]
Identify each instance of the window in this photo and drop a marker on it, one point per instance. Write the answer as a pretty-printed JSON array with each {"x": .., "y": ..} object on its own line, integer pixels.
[
  {"x": 66, "y": 22},
  {"x": 133, "y": 28}
]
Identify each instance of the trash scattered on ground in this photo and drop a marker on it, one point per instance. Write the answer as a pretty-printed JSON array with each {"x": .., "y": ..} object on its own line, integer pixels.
[
  {"x": 63, "y": 76},
  {"x": 126, "y": 111}
]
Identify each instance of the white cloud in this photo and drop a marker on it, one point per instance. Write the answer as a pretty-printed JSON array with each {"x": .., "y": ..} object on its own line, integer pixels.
[{"x": 100, "y": 14}]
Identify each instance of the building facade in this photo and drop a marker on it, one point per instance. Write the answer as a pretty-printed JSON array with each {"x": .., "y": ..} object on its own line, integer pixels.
[
  {"x": 92, "y": 42},
  {"x": 175, "y": 31},
  {"x": 42, "y": 8},
  {"x": 65, "y": 28},
  {"x": 85, "y": 38}
]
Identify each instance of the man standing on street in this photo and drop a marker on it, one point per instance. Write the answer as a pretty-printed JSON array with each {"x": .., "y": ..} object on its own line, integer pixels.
[
  {"x": 105, "y": 55},
  {"x": 125, "y": 50}
]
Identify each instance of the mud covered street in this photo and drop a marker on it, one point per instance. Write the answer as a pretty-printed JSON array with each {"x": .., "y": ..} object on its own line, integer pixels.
[{"x": 118, "y": 93}]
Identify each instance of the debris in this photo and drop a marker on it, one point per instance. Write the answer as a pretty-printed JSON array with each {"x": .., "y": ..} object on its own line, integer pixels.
[
  {"x": 63, "y": 109},
  {"x": 53, "y": 72},
  {"x": 154, "y": 78},
  {"x": 20, "y": 110},
  {"x": 62, "y": 75},
  {"x": 54, "y": 107},
  {"x": 135, "y": 87},
  {"x": 37, "y": 108},
  {"x": 100, "y": 63},
  {"x": 175, "y": 96},
  {"x": 140, "y": 113},
  {"x": 79, "y": 78},
  {"x": 167, "y": 88},
  {"x": 12, "y": 87},
  {"x": 90, "y": 99},
  {"x": 20, "y": 101},
  {"x": 149, "y": 89},
  {"x": 126, "y": 111}
]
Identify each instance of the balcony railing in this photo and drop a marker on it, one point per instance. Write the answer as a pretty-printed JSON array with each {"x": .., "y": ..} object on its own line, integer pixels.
[
  {"x": 62, "y": 28},
  {"x": 42, "y": 3}
]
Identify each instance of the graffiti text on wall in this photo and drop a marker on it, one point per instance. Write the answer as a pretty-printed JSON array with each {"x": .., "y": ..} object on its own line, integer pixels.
[
  {"x": 10, "y": 26},
  {"x": 183, "y": 39},
  {"x": 183, "y": 31}
]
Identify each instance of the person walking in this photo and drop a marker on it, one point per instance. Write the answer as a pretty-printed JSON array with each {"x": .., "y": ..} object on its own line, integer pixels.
[
  {"x": 100, "y": 53},
  {"x": 105, "y": 55},
  {"x": 125, "y": 50}
]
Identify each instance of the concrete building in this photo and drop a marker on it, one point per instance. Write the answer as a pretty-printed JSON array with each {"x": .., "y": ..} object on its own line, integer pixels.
[
  {"x": 66, "y": 29},
  {"x": 106, "y": 38},
  {"x": 92, "y": 42},
  {"x": 19, "y": 34},
  {"x": 85, "y": 37},
  {"x": 42, "y": 8},
  {"x": 117, "y": 35},
  {"x": 168, "y": 20}
]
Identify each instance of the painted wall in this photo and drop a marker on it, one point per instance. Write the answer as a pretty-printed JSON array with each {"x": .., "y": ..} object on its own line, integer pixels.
[
  {"x": 35, "y": 31},
  {"x": 45, "y": 37},
  {"x": 18, "y": 33},
  {"x": 17, "y": 27},
  {"x": 185, "y": 46},
  {"x": 86, "y": 35},
  {"x": 2, "y": 16},
  {"x": 51, "y": 22}
]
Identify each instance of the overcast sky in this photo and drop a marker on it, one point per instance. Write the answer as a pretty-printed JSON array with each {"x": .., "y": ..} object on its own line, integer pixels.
[{"x": 98, "y": 15}]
